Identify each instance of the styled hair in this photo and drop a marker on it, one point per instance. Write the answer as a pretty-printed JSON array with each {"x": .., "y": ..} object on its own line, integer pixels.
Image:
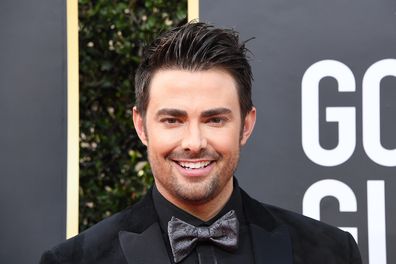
[{"x": 196, "y": 46}]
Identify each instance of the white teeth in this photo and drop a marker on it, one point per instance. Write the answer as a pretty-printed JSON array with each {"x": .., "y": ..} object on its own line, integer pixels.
[{"x": 194, "y": 165}]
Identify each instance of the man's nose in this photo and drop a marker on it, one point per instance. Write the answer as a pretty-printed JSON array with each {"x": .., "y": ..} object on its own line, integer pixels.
[{"x": 193, "y": 139}]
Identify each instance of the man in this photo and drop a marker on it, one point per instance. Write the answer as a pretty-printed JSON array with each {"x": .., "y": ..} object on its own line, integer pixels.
[{"x": 194, "y": 112}]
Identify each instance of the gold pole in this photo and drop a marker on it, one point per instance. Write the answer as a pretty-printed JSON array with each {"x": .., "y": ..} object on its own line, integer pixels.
[
  {"x": 72, "y": 120},
  {"x": 193, "y": 10}
]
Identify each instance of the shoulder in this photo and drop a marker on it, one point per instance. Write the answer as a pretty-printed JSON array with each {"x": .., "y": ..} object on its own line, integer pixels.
[
  {"x": 312, "y": 240},
  {"x": 300, "y": 223},
  {"x": 316, "y": 240},
  {"x": 100, "y": 243},
  {"x": 303, "y": 226},
  {"x": 270, "y": 216}
]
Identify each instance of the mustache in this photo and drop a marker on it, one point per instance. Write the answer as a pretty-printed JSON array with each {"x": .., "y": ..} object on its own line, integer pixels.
[{"x": 203, "y": 154}]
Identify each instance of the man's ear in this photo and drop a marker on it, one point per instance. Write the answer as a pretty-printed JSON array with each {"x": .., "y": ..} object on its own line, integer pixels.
[
  {"x": 248, "y": 126},
  {"x": 138, "y": 122}
]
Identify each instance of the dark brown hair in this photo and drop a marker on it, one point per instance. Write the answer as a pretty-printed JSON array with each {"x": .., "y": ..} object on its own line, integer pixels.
[{"x": 196, "y": 46}]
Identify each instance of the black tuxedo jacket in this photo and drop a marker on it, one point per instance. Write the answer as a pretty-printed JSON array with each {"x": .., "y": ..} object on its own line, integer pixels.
[{"x": 133, "y": 236}]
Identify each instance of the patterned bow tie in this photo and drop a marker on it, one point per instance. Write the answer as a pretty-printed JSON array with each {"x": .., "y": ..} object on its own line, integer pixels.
[{"x": 183, "y": 237}]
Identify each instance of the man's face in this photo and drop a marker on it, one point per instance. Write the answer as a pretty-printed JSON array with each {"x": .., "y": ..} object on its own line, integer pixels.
[{"x": 192, "y": 130}]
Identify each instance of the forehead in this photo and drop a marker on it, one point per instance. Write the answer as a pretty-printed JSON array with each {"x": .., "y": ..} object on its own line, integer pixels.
[{"x": 185, "y": 89}]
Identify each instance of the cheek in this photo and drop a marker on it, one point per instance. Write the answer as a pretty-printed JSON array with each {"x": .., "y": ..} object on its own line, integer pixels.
[
  {"x": 225, "y": 141},
  {"x": 162, "y": 141}
]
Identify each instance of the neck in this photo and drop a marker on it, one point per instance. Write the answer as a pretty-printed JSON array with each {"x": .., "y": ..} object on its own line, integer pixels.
[{"x": 204, "y": 210}]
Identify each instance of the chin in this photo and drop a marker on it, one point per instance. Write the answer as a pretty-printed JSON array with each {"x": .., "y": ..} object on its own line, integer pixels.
[{"x": 197, "y": 192}]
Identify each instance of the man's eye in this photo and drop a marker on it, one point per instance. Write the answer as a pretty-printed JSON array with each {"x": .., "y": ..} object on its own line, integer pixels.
[
  {"x": 170, "y": 120},
  {"x": 216, "y": 120}
]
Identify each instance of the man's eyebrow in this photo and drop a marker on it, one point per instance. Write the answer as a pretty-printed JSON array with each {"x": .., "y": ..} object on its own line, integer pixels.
[
  {"x": 171, "y": 112},
  {"x": 216, "y": 111}
]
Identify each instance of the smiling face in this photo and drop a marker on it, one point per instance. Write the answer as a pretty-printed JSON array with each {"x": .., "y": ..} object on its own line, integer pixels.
[{"x": 193, "y": 133}]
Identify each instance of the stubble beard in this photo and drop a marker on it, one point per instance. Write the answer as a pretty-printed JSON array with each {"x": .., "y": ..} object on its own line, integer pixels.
[{"x": 193, "y": 192}]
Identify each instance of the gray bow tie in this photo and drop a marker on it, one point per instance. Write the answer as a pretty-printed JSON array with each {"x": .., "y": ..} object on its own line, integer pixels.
[{"x": 183, "y": 237}]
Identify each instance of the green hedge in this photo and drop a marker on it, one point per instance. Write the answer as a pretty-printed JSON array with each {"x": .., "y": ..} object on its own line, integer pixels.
[{"x": 114, "y": 172}]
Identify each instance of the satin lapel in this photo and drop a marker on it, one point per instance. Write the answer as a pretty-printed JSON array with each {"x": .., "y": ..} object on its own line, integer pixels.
[
  {"x": 271, "y": 240},
  {"x": 271, "y": 247},
  {"x": 147, "y": 247}
]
